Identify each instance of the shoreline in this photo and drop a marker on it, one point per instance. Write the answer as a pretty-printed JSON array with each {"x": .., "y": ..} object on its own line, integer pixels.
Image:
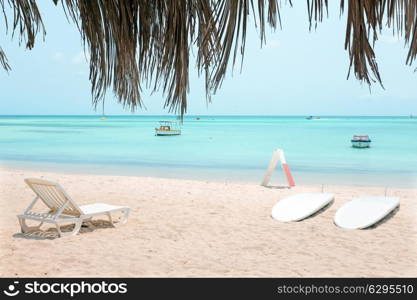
[
  {"x": 250, "y": 176},
  {"x": 191, "y": 228}
]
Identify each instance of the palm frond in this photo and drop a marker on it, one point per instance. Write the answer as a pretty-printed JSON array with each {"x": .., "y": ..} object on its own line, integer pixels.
[
  {"x": 135, "y": 43},
  {"x": 148, "y": 42},
  {"x": 3, "y": 60},
  {"x": 27, "y": 22}
]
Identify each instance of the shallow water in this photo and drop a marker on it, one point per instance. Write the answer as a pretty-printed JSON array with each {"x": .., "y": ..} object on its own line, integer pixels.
[{"x": 216, "y": 147}]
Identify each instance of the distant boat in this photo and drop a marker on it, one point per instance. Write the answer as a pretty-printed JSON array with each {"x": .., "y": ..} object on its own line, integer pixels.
[
  {"x": 103, "y": 117},
  {"x": 168, "y": 128},
  {"x": 312, "y": 118},
  {"x": 197, "y": 118},
  {"x": 361, "y": 141}
]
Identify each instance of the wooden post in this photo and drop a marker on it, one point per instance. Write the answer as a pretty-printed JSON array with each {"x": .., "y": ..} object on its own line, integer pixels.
[{"x": 278, "y": 155}]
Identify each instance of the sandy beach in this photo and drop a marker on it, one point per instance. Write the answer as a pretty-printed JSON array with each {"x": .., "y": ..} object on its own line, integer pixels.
[{"x": 186, "y": 228}]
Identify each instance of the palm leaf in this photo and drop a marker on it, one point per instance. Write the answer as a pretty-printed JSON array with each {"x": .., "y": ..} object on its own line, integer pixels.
[{"x": 135, "y": 43}]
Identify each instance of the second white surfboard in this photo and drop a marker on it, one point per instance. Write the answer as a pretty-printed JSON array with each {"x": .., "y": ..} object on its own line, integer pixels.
[{"x": 364, "y": 212}]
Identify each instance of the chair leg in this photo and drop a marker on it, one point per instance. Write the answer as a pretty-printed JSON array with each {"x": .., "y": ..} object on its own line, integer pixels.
[
  {"x": 88, "y": 222},
  {"x": 25, "y": 228},
  {"x": 110, "y": 218},
  {"x": 71, "y": 233},
  {"x": 123, "y": 220}
]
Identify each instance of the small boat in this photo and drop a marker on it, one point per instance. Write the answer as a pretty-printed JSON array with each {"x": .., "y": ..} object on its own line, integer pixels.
[
  {"x": 361, "y": 141},
  {"x": 103, "y": 116},
  {"x": 168, "y": 128},
  {"x": 312, "y": 118}
]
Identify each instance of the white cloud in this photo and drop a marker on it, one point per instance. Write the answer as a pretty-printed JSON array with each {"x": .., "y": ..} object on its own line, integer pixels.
[
  {"x": 80, "y": 58},
  {"x": 272, "y": 44},
  {"x": 369, "y": 96},
  {"x": 388, "y": 39},
  {"x": 58, "y": 56}
]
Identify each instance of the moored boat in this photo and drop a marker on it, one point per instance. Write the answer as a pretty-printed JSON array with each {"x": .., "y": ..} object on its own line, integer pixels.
[
  {"x": 168, "y": 128},
  {"x": 312, "y": 118},
  {"x": 103, "y": 116},
  {"x": 361, "y": 141}
]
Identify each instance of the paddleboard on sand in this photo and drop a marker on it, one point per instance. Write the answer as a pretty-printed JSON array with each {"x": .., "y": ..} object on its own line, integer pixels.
[
  {"x": 300, "y": 206},
  {"x": 364, "y": 212}
]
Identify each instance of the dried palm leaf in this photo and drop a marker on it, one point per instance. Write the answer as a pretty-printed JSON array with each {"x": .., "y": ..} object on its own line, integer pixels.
[{"x": 139, "y": 42}]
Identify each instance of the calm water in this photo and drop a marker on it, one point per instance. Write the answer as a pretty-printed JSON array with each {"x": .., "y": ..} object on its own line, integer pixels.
[{"x": 216, "y": 147}]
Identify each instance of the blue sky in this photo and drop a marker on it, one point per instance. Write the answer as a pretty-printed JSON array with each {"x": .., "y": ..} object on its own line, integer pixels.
[{"x": 296, "y": 73}]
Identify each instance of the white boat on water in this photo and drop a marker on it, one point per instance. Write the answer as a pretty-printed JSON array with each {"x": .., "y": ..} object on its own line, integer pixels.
[
  {"x": 361, "y": 141},
  {"x": 168, "y": 128},
  {"x": 103, "y": 116}
]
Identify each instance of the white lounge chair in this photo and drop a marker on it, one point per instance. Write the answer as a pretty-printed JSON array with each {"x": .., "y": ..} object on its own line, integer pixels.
[{"x": 62, "y": 209}]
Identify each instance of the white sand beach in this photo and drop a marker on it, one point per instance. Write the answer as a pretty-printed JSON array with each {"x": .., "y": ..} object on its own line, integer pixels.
[{"x": 185, "y": 228}]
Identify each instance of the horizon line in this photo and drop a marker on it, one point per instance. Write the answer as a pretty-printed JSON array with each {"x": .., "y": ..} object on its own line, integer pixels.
[{"x": 201, "y": 115}]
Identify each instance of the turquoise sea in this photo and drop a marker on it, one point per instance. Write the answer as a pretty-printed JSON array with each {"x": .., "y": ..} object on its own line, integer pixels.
[{"x": 236, "y": 148}]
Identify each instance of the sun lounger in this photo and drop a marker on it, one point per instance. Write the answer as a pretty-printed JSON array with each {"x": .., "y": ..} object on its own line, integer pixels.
[{"x": 62, "y": 209}]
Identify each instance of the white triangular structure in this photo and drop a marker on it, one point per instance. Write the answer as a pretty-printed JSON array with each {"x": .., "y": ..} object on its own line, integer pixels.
[{"x": 278, "y": 155}]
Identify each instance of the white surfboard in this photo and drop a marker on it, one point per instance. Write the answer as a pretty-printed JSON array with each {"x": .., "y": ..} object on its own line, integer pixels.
[
  {"x": 364, "y": 212},
  {"x": 300, "y": 206}
]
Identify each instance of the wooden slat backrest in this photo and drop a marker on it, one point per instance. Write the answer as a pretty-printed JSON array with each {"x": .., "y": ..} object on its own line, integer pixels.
[{"x": 53, "y": 195}]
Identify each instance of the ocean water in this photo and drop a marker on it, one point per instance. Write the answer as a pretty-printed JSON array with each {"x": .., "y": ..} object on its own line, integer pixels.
[{"x": 236, "y": 148}]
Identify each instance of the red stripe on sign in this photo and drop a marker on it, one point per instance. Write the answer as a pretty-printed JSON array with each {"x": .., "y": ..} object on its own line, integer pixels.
[{"x": 288, "y": 174}]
